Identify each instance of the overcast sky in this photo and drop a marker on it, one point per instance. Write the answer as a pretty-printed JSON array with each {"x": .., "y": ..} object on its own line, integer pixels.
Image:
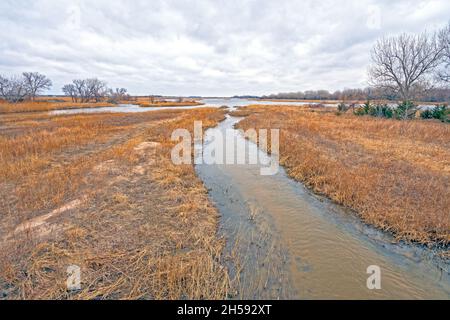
[{"x": 206, "y": 47}]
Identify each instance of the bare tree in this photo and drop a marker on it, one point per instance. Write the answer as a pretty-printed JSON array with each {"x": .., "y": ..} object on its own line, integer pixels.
[
  {"x": 444, "y": 38},
  {"x": 85, "y": 90},
  {"x": 3, "y": 86},
  {"x": 117, "y": 95},
  {"x": 71, "y": 91},
  {"x": 405, "y": 64},
  {"x": 80, "y": 89},
  {"x": 96, "y": 89},
  {"x": 35, "y": 83},
  {"x": 13, "y": 89}
]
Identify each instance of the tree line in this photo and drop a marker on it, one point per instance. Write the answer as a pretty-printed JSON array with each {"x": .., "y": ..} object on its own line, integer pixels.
[
  {"x": 29, "y": 85},
  {"x": 439, "y": 94}
]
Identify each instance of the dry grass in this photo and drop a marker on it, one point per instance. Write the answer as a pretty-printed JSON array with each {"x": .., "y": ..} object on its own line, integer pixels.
[
  {"x": 147, "y": 102},
  {"x": 63, "y": 103},
  {"x": 394, "y": 174},
  {"x": 100, "y": 191},
  {"x": 170, "y": 104},
  {"x": 308, "y": 100},
  {"x": 47, "y": 105}
]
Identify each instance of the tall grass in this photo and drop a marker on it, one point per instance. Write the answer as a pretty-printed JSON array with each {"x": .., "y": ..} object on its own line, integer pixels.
[
  {"x": 147, "y": 102},
  {"x": 42, "y": 105},
  {"x": 143, "y": 228},
  {"x": 394, "y": 174}
]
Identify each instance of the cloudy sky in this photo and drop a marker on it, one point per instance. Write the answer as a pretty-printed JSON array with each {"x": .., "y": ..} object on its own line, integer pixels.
[{"x": 210, "y": 47}]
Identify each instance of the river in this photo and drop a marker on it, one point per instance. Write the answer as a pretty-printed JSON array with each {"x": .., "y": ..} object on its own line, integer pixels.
[{"x": 284, "y": 242}]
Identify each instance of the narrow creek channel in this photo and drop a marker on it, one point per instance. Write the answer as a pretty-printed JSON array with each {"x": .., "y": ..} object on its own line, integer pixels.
[{"x": 286, "y": 243}]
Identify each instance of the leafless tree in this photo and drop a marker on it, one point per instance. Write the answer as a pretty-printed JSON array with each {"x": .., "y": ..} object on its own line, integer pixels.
[
  {"x": 96, "y": 89},
  {"x": 13, "y": 89},
  {"x": 3, "y": 86},
  {"x": 405, "y": 64},
  {"x": 444, "y": 38},
  {"x": 86, "y": 90},
  {"x": 71, "y": 91},
  {"x": 35, "y": 83},
  {"x": 117, "y": 95}
]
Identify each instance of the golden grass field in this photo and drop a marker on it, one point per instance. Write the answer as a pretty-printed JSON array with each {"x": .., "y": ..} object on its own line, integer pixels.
[
  {"x": 100, "y": 191},
  {"x": 394, "y": 174},
  {"x": 42, "y": 105},
  {"x": 63, "y": 103}
]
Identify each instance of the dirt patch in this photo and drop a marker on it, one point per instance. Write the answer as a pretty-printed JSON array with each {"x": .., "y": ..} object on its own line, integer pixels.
[{"x": 42, "y": 221}]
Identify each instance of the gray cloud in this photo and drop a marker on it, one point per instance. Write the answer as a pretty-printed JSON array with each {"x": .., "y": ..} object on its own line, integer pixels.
[{"x": 221, "y": 47}]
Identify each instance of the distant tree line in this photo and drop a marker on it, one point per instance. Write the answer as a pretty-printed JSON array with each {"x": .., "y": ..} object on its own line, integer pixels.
[
  {"x": 346, "y": 94},
  {"x": 369, "y": 93}
]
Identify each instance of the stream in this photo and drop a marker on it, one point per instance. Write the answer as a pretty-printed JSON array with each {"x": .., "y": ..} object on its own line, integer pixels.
[{"x": 284, "y": 242}]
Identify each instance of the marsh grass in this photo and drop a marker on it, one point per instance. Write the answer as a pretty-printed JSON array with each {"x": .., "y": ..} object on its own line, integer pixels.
[
  {"x": 47, "y": 105},
  {"x": 139, "y": 227},
  {"x": 394, "y": 174},
  {"x": 148, "y": 102}
]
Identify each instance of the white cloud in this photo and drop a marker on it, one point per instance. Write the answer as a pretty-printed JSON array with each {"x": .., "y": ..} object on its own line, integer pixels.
[{"x": 220, "y": 47}]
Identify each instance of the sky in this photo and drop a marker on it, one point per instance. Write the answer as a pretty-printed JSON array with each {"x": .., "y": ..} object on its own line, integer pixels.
[{"x": 206, "y": 47}]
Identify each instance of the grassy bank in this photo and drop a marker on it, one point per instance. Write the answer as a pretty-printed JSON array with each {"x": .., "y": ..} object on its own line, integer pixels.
[
  {"x": 44, "y": 105},
  {"x": 170, "y": 104},
  {"x": 147, "y": 102},
  {"x": 99, "y": 191},
  {"x": 394, "y": 174},
  {"x": 64, "y": 103}
]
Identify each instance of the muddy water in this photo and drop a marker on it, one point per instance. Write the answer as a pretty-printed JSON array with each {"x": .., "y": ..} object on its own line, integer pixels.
[{"x": 284, "y": 242}]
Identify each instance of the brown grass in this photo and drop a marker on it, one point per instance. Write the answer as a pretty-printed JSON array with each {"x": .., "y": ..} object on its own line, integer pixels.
[
  {"x": 47, "y": 104},
  {"x": 64, "y": 103},
  {"x": 100, "y": 191},
  {"x": 170, "y": 104},
  {"x": 394, "y": 174},
  {"x": 147, "y": 102}
]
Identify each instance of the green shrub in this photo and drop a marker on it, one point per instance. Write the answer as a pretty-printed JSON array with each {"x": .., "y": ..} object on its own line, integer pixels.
[
  {"x": 359, "y": 112},
  {"x": 364, "y": 109},
  {"x": 427, "y": 114},
  {"x": 438, "y": 112},
  {"x": 382, "y": 111},
  {"x": 405, "y": 110},
  {"x": 378, "y": 110}
]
